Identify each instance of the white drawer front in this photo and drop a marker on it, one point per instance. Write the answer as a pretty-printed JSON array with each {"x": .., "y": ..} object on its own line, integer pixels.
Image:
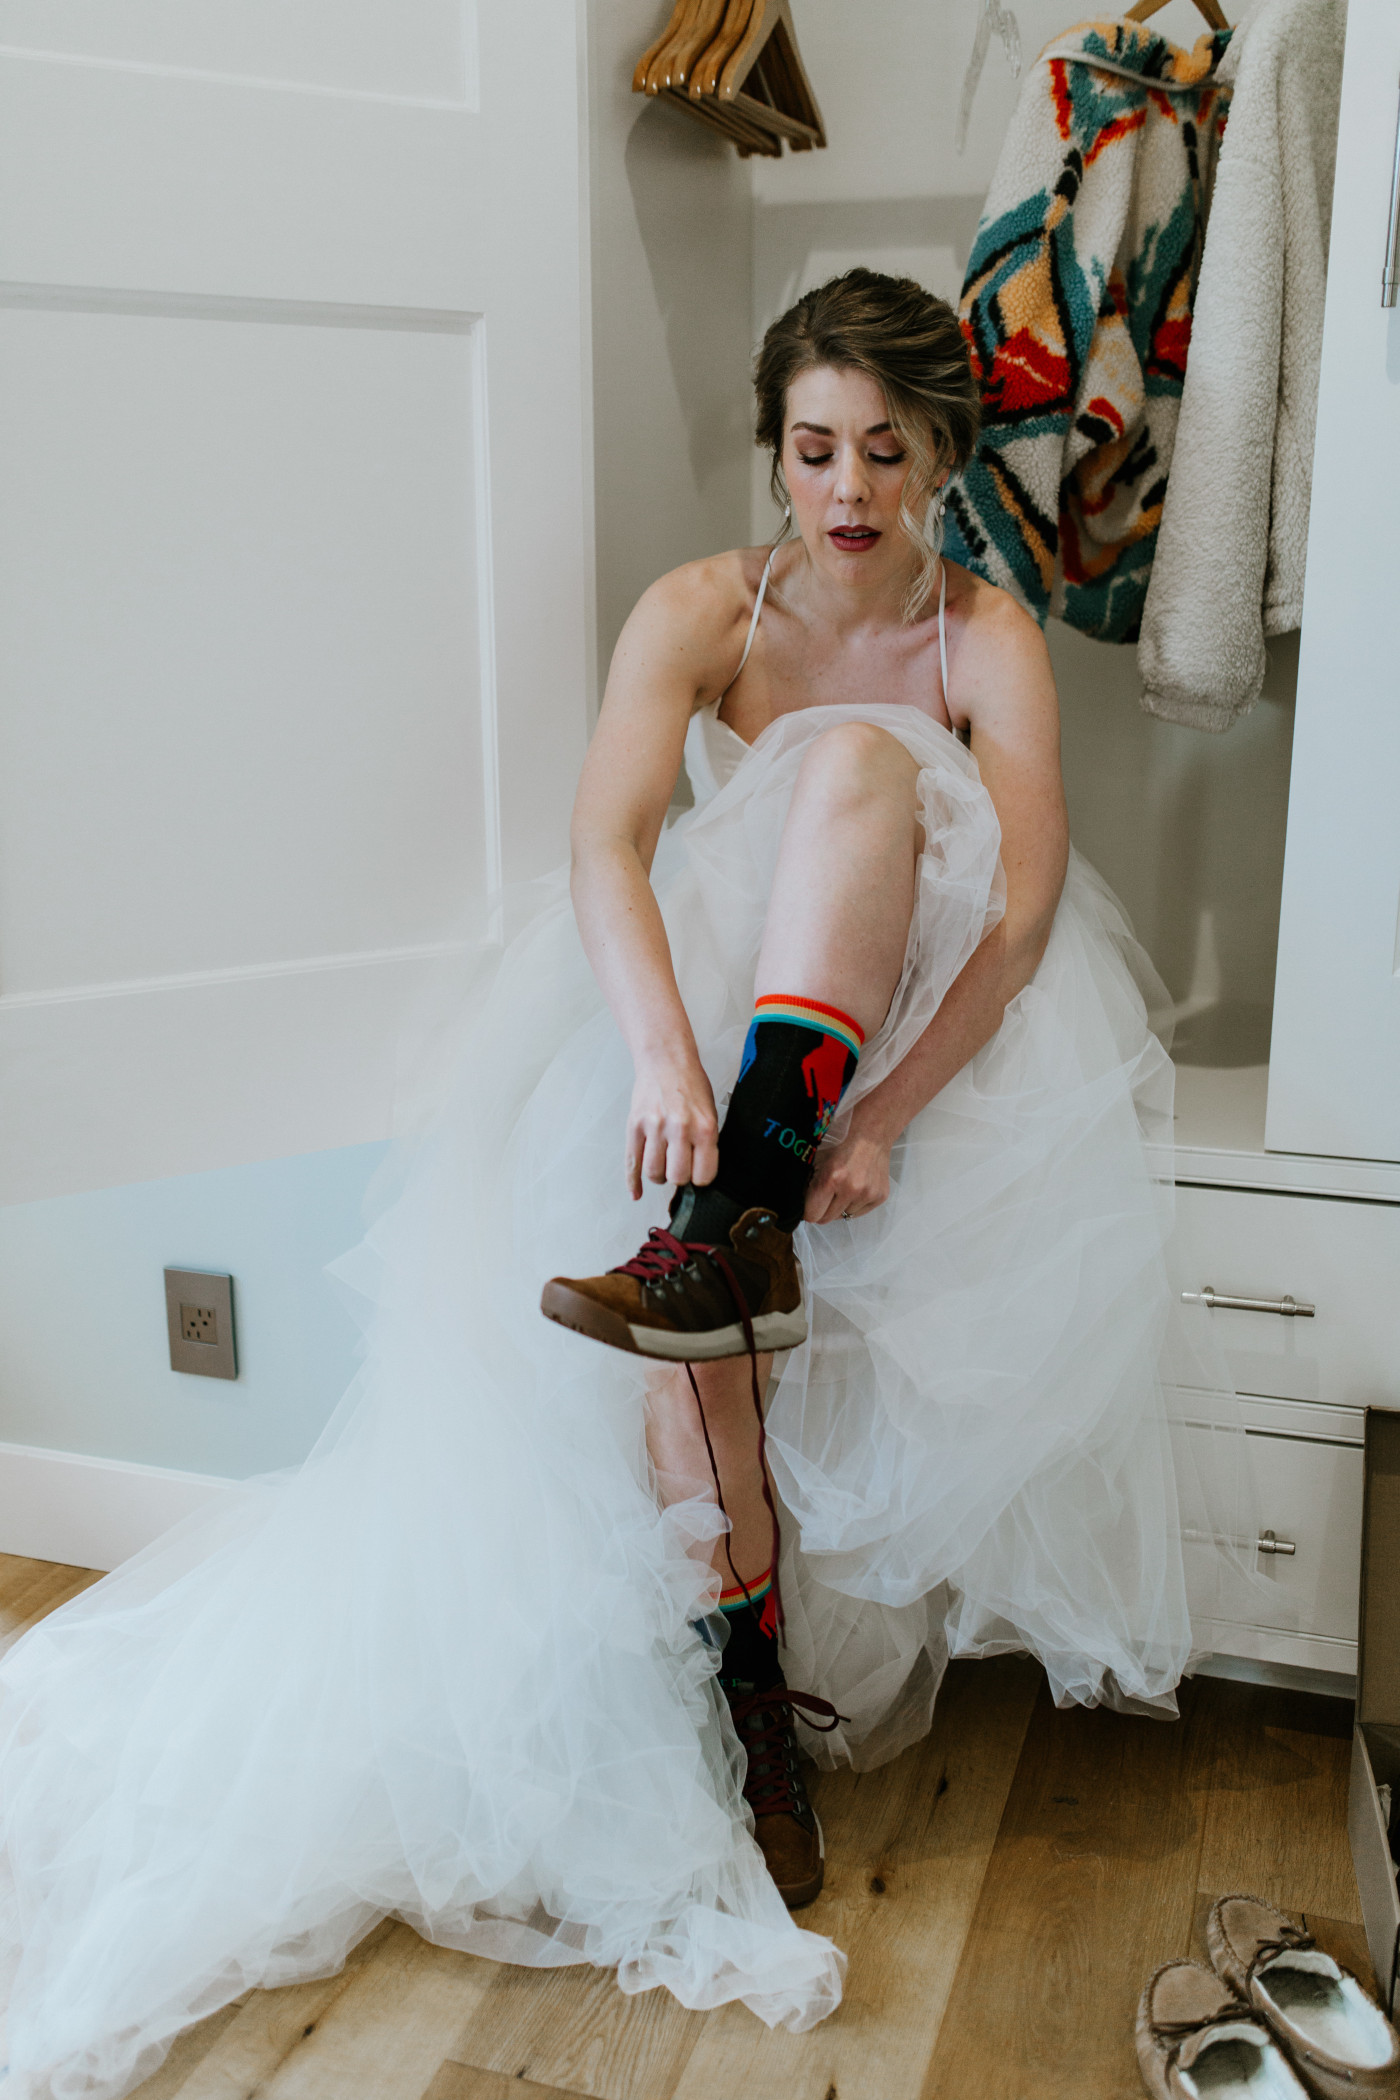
[
  {"x": 1309, "y": 1498},
  {"x": 1342, "y": 1257}
]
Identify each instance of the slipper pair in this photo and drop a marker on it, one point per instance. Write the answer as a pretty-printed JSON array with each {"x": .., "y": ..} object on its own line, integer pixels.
[{"x": 1274, "y": 2019}]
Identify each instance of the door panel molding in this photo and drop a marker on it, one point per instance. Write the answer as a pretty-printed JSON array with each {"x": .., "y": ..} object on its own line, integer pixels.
[{"x": 222, "y": 306}]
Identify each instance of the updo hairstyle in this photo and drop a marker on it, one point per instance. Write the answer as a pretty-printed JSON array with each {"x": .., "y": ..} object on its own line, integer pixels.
[{"x": 912, "y": 347}]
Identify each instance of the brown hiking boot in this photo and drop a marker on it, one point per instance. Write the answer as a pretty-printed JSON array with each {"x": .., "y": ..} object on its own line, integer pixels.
[
  {"x": 784, "y": 1820},
  {"x": 692, "y": 1300}
]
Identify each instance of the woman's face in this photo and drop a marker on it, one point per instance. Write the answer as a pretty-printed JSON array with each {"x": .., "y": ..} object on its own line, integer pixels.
[{"x": 845, "y": 470}]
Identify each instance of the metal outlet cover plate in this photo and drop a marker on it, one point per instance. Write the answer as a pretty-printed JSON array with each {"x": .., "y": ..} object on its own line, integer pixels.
[{"x": 199, "y": 1320}]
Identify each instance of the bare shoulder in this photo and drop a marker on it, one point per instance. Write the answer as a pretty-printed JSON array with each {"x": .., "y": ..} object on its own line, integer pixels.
[
  {"x": 1001, "y": 653},
  {"x": 696, "y": 617},
  {"x": 994, "y": 622}
]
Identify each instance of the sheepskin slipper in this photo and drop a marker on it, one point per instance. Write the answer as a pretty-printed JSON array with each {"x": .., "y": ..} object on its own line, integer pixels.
[
  {"x": 1197, "y": 2041},
  {"x": 1342, "y": 2043}
]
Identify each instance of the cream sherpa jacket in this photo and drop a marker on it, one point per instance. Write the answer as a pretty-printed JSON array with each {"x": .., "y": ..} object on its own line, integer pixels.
[{"x": 1233, "y": 540}]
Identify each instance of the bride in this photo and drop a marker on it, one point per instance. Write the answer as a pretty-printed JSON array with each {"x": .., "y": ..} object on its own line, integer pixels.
[{"x": 522, "y": 1652}]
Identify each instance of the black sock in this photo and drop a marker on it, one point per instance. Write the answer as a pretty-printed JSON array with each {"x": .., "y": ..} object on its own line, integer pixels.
[
  {"x": 750, "y": 1662},
  {"x": 799, "y": 1058}
]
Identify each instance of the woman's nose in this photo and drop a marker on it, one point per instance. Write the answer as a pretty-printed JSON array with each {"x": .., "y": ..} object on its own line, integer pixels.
[{"x": 852, "y": 481}]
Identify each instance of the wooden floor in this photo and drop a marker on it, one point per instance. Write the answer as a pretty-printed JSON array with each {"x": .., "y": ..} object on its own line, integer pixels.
[{"x": 1001, "y": 1891}]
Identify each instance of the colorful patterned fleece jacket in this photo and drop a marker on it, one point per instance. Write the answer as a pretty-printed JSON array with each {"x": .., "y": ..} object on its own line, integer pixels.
[{"x": 1077, "y": 309}]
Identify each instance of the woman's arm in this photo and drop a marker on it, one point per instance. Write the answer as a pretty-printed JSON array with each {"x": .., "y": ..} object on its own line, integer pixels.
[
  {"x": 673, "y": 655},
  {"x": 1014, "y": 716}
]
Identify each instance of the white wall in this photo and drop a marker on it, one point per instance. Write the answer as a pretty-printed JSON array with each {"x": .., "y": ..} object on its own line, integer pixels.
[
  {"x": 1187, "y": 828},
  {"x": 671, "y": 285},
  {"x": 84, "y": 1364},
  {"x": 295, "y": 556}
]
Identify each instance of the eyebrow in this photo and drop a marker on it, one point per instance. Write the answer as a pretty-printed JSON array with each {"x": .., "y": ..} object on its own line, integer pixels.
[{"x": 821, "y": 429}]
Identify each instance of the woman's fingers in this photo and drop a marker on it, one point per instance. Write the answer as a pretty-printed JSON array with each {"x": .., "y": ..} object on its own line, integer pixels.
[
  {"x": 848, "y": 1183},
  {"x": 824, "y": 1201},
  {"x": 704, "y": 1159},
  {"x": 654, "y": 1155},
  {"x": 678, "y": 1157}
]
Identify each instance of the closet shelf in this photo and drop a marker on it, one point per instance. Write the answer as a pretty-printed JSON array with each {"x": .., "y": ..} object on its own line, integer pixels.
[{"x": 1220, "y": 1142}]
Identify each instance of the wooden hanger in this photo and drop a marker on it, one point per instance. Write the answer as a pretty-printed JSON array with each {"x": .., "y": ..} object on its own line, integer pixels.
[
  {"x": 704, "y": 77},
  {"x": 735, "y": 65},
  {"x": 672, "y": 68},
  {"x": 653, "y": 51},
  {"x": 765, "y": 79},
  {"x": 1211, "y": 9}
]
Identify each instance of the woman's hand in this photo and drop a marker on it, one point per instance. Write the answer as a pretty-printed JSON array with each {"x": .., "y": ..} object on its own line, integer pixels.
[
  {"x": 672, "y": 1128},
  {"x": 851, "y": 1178}
]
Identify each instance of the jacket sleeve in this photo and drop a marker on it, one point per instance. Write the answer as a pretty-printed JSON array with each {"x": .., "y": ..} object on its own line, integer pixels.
[{"x": 1231, "y": 549}]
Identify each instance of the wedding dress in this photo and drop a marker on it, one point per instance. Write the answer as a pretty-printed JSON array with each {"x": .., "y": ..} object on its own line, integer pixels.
[{"x": 448, "y": 1669}]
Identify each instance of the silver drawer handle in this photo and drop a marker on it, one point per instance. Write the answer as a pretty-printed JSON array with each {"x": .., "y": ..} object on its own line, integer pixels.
[
  {"x": 1269, "y": 1544},
  {"x": 1291, "y": 1308}
]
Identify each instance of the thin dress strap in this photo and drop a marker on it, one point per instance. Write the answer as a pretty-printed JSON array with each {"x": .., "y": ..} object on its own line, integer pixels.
[
  {"x": 753, "y": 623},
  {"x": 942, "y": 634}
]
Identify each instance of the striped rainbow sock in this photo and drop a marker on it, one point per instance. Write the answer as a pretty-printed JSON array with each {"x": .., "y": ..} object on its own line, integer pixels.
[{"x": 759, "y": 1597}]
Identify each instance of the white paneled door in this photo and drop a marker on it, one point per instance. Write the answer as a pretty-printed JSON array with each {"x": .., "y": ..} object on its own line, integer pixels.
[
  {"x": 294, "y": 563},
  {"x": 1334, "y": 1080}
]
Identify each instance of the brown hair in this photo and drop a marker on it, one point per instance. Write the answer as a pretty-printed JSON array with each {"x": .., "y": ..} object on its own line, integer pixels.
[{"x": 910, "y": 344}]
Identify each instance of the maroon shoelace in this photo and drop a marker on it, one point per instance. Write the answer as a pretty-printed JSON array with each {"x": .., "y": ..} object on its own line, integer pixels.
[
  {"x": 769, "y": 1788},
  {"x": 665, "y": 1256}
]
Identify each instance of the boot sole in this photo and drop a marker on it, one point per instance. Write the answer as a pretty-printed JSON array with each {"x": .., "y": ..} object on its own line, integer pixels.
[{"x": 771, "y": 1331}]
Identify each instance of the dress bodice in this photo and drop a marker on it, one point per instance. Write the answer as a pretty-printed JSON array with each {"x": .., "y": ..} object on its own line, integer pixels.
[{"x": 714, "y": 751}]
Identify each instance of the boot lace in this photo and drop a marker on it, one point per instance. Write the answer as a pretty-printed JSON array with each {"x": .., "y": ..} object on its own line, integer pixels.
[
  {"x": 663, "y": 1257},
  {"x": 763, "y": 1722}
]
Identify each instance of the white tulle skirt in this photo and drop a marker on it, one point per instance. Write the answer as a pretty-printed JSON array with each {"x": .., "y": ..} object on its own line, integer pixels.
[{"x": 447, "y": 1670}]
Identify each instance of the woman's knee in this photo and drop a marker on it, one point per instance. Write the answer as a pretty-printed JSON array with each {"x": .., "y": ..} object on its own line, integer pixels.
[{"x": 854, "y": 764}]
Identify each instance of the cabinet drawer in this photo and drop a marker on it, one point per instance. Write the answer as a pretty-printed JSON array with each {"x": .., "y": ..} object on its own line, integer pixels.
[
  {"x": 1309, "y": 1498},
  {"x": 1341, "y": 1257}
]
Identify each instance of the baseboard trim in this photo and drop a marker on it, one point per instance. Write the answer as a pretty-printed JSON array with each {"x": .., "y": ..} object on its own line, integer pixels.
[{"x": 92, "y": 1512}]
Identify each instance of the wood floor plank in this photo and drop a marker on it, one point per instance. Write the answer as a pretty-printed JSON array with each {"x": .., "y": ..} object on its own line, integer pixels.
[
  {"x": 274, "y": 2043},
  {"x": 253, "y": 2036},
  {"x": 574, "y": 2029},
  {"x": 1092, "y": 1883},
  {"x": 907, "y": 1848},
  {"x": 31, "y": 1589},
  {"x": 463, "y": 2082},
  {"x": 187, "y": 2054},
  {"x": 388, "y": 2031},
  {"x": 1276, "y": 1817}
]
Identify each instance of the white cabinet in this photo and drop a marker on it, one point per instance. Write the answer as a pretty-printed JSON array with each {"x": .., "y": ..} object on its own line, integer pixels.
[
  {"x": 1341, "y": 1258},
  {"x": 1304, "y": 1385},
  {"x": 1335, "y": 1064},
  {"x": 1310, "y": 1512}
]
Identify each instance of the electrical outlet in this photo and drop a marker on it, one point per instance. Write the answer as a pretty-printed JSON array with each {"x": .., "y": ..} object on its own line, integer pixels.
[
  {"x": 199, "y": 1318},
  {"x": 200, "y": 1323}
]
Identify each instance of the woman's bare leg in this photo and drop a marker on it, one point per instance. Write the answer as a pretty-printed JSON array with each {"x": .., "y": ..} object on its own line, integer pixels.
[
  {"x": 837, "y": 930},
  {"x": 843, "y": 890},
  {"x": 677, "y": 1446}
]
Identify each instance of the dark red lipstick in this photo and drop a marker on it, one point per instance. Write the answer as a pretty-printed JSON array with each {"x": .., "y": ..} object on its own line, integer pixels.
[{"x": 853, "y": 539}]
